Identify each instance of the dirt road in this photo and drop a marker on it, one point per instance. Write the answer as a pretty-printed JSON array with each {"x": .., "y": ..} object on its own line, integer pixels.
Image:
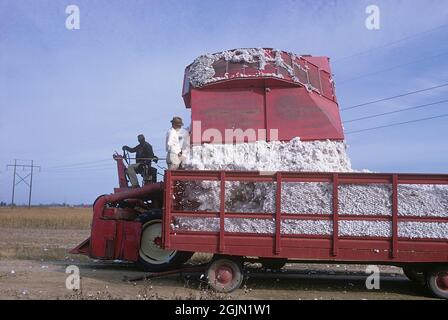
[{"x": 30, "y": 279}]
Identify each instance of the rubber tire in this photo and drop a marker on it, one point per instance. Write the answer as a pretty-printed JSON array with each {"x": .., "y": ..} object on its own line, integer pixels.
[
  {"x": 237, "y": 274},
  {"x": 431, "y": 283},
  {"x": 273, "y": 264},
  {"x": 414, "y": 274},
  {"x": 178, "y": 258}
]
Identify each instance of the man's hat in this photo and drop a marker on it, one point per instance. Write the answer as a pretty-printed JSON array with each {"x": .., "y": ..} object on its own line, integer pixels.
[{"x": 177, "y": 121}]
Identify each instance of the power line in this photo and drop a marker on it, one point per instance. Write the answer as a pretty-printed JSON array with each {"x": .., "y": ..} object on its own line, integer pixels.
[
  {"x": 389, "y": 69},
  {"x": 396, "y": 111},
  {"x": 398, "y": 123},
  {"x": 77, "y": 169},
  {"x": 82, "y": 171},
  {"x": 394, "y": 97},
  {"x": 388, "y": 44},
  {"x": 78, "y": 164}
]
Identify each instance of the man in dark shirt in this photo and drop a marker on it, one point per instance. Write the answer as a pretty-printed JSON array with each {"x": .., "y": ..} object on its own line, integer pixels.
[{"x": 143, "y": 155}]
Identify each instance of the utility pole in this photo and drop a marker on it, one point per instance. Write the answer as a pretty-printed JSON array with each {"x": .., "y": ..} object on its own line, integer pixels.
[
  {"x": 28, "y": 179},
  {"x": 31, "y": 184},
  {"x": 13, "y": 182}
]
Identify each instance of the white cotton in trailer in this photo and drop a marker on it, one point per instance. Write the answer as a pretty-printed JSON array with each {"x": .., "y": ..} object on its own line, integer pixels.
[
  {"x": 263, "y": 156},
  {"x": 423, "y": 200},
  {"x": 370, "y": 199},
  {"x": 316, "y": 198},
  {"x": 364, "y": 228},
  {"x": 201, "y": 71},
  {"x": 301, "y": 197},
  {"x": 306, "y": 198}
]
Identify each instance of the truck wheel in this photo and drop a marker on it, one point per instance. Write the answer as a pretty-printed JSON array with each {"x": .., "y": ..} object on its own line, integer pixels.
[
  {"x": 273, "y": 264},
  {"x": 437, "y": 281},
  {"x": 414, "y": 274},
  {"x": 225, "y": 274},
  {"x": 152, "y": 257}
]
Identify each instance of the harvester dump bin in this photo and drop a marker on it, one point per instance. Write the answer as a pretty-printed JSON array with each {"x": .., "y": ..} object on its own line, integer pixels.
[{"x": 267, "y": 89}]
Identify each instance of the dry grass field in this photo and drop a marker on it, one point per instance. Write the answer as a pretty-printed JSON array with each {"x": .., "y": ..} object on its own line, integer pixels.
[
  {"x": 45, "y": 218},
  {"x": 42, "y": 232}
]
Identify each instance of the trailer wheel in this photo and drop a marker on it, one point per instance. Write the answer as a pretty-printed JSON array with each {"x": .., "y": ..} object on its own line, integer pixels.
[
  {"x": 273, "y": 264},
  {"x": 414, "y": 274},
  {"x": 152, "y": 257},
  {"x": 225, "y": 274},
  {"x": 437, "y": 281}
]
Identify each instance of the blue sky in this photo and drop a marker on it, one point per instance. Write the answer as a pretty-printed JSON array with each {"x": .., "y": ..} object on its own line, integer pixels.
[{"x": 70, "y": 97}]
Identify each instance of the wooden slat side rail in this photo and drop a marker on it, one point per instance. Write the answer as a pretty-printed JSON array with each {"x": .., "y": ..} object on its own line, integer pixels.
[
  {"x": 222, "y": 208},
  {"x": 278, "y": 213},
  {"x": 394, "y": 216},
  {"x": 335, "y": 214}
]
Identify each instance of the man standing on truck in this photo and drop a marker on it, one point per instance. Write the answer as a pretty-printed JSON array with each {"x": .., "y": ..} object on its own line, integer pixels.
[
  {"x": 143, "y": 155},
  {"x": 174, "y": 144}
]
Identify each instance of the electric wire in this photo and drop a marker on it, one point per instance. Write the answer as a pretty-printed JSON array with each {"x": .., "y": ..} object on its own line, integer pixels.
[
  {"x": 394, "y": 97},
  {"x": 397, "y": 124},
  {"x": 388, "y": 44},
  {"x": 396, "y": 111},
  {"x": 365, "y": 75}
]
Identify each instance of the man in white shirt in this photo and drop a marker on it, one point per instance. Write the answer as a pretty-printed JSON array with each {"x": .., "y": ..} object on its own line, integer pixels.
[{"x": 174, "y": 144}]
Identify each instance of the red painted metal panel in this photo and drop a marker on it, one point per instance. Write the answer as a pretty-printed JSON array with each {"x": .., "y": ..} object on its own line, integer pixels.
[
  {"x": 320, "y": 62},
  {"x": 314, "y": 76},
  {"x": 168, "y": 203},
  {"x": 103, "y": 239},
  {"x": 131, "y": 241},
  {"x": 290, "y": 111},
  {"x": 256, "y": 240},
  {"x": 315, "y": 253},
  {"x": 82, "y": 248},
  {"x": 297, "y": 112},
  {"x": 232, "y": 109},
  {"x": 300, "y": 249},
  {"x": 122, "y": 182},
  {"x": 327, "y": 85},
  {"x": 115, "y": 239},
  {"x": 119, "y": 240}
]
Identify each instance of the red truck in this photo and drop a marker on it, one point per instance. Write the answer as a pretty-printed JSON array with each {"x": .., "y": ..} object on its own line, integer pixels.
[{"x": 139, "y": 225}]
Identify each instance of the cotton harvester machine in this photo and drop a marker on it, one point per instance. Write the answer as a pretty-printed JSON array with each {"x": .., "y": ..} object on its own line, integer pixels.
[{"x": 273, "y": 93}]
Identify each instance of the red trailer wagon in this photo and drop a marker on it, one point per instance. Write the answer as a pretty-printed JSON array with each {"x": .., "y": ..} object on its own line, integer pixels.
[{"x": 419, "y": 256}]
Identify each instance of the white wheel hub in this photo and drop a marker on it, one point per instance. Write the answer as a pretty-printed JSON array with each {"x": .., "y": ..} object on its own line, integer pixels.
[{"x": 149, "y": 250}]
